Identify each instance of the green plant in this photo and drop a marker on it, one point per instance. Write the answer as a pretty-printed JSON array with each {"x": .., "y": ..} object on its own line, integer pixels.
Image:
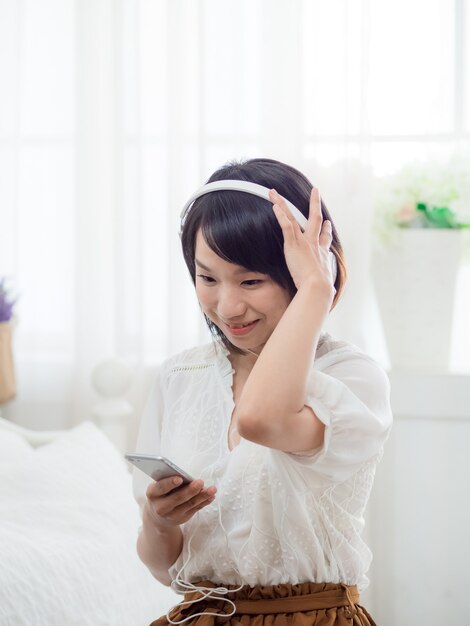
[{"x": 425, "y": 195}]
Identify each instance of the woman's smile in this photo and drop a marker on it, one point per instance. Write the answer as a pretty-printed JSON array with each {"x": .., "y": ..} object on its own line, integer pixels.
[{"x": 239, "y": 330}]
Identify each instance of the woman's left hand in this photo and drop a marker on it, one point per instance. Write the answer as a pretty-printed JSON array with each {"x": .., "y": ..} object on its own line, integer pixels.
[{"x": 306, "y": 253}]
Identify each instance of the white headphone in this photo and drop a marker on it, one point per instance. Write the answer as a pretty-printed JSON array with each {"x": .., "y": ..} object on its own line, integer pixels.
[{"x": 256, "y": 190}]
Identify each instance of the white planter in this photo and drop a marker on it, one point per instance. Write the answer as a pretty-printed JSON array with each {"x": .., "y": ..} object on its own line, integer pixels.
[{"x": 415, "y": 277}]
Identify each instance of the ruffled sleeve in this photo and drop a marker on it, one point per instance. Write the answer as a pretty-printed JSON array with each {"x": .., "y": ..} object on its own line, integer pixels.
[
  {"x": 351, "y": 396},
  {"x": 149, "y": 436}
]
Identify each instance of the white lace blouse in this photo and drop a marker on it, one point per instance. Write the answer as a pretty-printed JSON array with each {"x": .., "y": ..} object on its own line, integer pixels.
[{"x": 277, "y": 517}]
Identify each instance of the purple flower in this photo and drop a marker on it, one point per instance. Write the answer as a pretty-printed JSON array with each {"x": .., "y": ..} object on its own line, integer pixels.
[{"x": 6, "y": 305}]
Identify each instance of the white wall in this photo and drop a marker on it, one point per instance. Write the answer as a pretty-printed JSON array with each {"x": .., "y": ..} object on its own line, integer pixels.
[{"x": 419, "y": 512}]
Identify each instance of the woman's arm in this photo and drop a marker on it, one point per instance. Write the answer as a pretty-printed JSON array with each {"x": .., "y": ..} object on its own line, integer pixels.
[
  {"x": 158, "y": 547},
  {"x": 271, "y": 410},
  {"x": 167, "y": 507}
]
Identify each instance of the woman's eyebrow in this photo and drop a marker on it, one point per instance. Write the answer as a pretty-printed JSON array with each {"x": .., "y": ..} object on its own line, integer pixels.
[
  {"x": 241, "y": 270},
  {"x": 204, "y": 267}
]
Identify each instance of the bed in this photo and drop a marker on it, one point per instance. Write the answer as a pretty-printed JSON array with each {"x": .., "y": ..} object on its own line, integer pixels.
[{"x": 68, "y": 528}]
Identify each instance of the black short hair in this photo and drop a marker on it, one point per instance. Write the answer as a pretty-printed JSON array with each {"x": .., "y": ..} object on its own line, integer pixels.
[{"x": 242, "y": 228}]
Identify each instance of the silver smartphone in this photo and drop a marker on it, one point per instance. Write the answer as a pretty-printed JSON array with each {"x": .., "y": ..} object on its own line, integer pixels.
[{"x": 157, "y": 467}]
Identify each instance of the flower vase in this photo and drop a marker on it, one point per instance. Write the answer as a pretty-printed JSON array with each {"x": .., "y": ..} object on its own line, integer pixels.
[{"x": 415, "y": 277}]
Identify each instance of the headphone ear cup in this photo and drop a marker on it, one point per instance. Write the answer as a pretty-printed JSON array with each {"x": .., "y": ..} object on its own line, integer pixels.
[{"x": 334, "y": 266}]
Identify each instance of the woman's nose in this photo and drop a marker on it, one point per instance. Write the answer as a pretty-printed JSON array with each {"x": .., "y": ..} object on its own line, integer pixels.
[{"x": 230, "y": 304}]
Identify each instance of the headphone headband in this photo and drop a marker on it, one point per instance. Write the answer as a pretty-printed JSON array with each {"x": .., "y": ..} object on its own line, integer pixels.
[
  {"x": 240, "y": 185},
  {"x": 256, "y": 190}
]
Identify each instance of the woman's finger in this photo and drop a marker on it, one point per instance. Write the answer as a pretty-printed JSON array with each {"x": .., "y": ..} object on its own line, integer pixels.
[
  {"x": 163, "y": 486},
  {"x": 288, "y": 228},
  {"x": 197, "y": 508},
  {"x": 165, "y": 503},
  {"x": 194, "y": 492},
  {"x": 181, "y": 513},
  {"x": 326, "y": 235},
  {"x": 194, "y": 503},
  {"x": 184, "y": 515},
  {"x": 315, "y": 218},
  {"x": 277, "y": 199}
]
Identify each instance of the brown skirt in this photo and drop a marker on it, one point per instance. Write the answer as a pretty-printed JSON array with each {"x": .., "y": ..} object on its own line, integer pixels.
[{"x": 303, "y": 604}]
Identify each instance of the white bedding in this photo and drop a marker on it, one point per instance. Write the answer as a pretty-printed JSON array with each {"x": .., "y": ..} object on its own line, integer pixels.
[{"x": 68, "y": 527}]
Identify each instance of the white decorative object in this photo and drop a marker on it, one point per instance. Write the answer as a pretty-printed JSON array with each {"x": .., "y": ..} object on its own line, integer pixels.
[
  {"x": 112, "y": 379},
  {"x": 415, "y": 276}
]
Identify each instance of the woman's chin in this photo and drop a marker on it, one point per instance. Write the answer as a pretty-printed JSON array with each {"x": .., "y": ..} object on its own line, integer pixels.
[{"x": 247, "y": 346}]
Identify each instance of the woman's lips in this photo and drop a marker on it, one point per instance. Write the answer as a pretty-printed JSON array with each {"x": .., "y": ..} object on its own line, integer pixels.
[{"x": 238, "y": 332}]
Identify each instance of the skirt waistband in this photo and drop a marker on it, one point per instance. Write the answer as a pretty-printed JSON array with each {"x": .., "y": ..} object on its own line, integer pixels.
[
  {"x": 342, "y": 595},
  {"x": 326, "y": 604},
  {"x": 347, "y": 596}
]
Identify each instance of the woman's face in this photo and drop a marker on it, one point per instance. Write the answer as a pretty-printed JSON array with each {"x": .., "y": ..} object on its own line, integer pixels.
[{"x": 245, "y": 305}]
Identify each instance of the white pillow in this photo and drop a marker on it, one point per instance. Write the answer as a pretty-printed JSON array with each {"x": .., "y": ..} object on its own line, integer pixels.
[
  {"x": 68, "y": 530},
  {"x": 13, "y": 449}
]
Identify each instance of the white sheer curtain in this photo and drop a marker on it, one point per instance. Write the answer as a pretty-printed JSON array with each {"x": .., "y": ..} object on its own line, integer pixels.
[{"x": 113, "y": 111}]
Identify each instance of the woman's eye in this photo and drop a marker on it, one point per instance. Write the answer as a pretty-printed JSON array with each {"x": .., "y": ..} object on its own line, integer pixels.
[
  {"x": 206, "y": 279},
  {"x": 253, "y": 282}
]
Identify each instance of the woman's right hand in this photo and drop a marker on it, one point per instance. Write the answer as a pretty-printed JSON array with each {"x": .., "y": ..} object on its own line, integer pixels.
[{"x": 170, "y": 505}]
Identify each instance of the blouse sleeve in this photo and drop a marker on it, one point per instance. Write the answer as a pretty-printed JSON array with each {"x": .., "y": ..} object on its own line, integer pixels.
[
  {"x": 352, "y": 399},
  {"x": 149, "y": 436}
]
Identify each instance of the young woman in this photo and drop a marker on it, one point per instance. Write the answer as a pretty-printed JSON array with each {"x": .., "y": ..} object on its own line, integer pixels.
[{"x": 280, "y": 424}]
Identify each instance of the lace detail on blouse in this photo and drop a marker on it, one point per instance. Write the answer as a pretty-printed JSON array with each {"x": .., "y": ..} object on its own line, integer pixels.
[{"x": 277, "y": 517}]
